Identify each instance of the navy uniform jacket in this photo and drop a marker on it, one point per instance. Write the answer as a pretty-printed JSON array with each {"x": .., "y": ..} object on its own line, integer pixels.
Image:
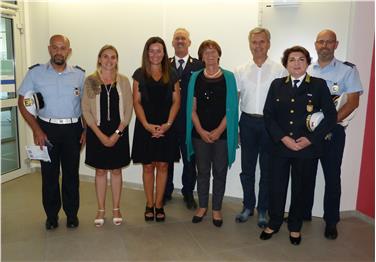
[
  {"x": 192, "y": 65},
  {"x": 285, "y": 114}
]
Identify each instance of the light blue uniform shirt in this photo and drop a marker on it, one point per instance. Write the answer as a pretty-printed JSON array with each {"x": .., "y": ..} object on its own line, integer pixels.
[
  {"x": 61, "y": 92},
  {"x": 339, "y": 77}
]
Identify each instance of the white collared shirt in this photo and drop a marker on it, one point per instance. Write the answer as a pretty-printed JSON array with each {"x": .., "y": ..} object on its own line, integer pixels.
[
  {"x": 253, "y": 84},
  {"x": 177, "y": 64},
  {"x": 300, "y": 80}
]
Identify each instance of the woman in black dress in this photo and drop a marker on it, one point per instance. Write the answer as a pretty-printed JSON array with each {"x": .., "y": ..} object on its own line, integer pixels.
[
  {"x": 156, "y": 100},
  {"x": 107, "y": 109}
]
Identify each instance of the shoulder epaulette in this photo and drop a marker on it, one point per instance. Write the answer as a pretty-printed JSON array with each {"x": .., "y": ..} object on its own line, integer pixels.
[
  {"x": 349, "y": 64},
  {"x": 31, "y": 67},
  {"x": 76, "y": 66}
]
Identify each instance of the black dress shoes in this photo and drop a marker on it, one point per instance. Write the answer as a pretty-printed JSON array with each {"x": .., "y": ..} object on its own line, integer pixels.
[
  {"x": 190, "y": 202},
  {"x": 295, "y": 240},
  {"x": 266, "y": 236},
  {"x": 217, "y": 222},
  {"x": 51, "y": 223},
  {"x": 331, "y": 232},
  {"x": 72, "y": 222}
]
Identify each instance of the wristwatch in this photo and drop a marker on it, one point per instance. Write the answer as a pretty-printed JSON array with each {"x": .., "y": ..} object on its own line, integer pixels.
[{"x": 120, "y": 133}]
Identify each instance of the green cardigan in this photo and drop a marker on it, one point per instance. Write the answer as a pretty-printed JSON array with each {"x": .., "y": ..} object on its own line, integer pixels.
[{"x": 231, "y": 115}]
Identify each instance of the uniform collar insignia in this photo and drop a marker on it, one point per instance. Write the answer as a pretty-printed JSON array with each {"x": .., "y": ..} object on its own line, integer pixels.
[
  {"x": 288, "y": 78},
  {"x": 307, "y": 78}
]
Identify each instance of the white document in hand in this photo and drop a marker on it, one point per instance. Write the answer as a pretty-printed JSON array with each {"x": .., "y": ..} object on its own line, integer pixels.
[{"x": 34, "y": 152}]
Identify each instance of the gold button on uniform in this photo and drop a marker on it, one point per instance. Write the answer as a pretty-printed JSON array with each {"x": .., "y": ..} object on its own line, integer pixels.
[
  {"x": 292, "y": 111},
  {"x": 291, "y": 122},
  {"x": 292, "y": 100},
  {"x": 291, "y": 133}
]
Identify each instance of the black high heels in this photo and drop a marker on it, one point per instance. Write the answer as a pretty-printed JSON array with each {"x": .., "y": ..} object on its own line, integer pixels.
[
  {"x": 160, "y": 215},
  {"x": 148, "y": 211},
  {"x": 295, "y": 240}
]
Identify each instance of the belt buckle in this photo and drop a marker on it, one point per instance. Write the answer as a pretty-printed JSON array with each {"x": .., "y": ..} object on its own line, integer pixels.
[{"x": 61, "y": 121}]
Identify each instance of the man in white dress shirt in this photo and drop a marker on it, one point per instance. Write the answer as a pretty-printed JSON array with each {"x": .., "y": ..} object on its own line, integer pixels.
[{"x": 253, "y": 82}]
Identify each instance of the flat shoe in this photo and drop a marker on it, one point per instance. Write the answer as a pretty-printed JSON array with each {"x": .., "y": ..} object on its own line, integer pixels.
[
  {"x": 265, "y": 236},
  {"x": 218, "y": 222}
]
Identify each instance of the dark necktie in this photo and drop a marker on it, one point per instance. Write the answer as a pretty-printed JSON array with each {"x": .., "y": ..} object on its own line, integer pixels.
[
  {"x": 296, "y": 81},
  {"x": 180, "y": 68}
]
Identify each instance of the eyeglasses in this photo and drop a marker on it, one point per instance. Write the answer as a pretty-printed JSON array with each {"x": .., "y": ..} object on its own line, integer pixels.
[{"x": 327, "y": 42}]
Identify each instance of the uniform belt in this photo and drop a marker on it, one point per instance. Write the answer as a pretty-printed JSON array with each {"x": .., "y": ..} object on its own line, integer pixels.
[
  {"x": 60, "y": 121},
  {"x": 254, "y": 115}
]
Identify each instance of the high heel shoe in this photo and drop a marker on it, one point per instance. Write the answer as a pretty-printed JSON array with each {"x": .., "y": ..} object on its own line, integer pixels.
[
  {"x": 295, "y": 240},
  {"x": 161, "y": 213},
  {"x": 117, "y": 220},
  {"x": 148, "y": 211},
  {"x": 98, "y": 222}
]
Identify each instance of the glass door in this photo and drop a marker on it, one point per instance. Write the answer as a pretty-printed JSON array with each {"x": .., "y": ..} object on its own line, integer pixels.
[{"x": 12, "y": 143}]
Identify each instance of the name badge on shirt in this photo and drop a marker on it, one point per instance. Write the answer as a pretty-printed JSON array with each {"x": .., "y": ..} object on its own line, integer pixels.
[{"x": 76, "y": 91}]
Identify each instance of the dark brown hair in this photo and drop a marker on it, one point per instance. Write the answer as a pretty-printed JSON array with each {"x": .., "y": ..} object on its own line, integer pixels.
[
  {"x": 296, "y": 48},
  {"x": 208, "y": 44},
  {"x": 146, "y": 62}
]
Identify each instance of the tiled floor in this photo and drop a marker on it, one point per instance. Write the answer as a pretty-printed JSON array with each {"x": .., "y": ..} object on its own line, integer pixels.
[{"x": 24, "y": 238}]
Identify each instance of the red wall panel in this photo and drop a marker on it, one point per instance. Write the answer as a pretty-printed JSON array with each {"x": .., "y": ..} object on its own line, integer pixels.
[{"x": 366, "y": 191}]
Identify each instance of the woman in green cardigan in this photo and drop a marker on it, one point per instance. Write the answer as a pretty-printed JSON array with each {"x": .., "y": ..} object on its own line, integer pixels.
[{"x": 212, "y": 109}]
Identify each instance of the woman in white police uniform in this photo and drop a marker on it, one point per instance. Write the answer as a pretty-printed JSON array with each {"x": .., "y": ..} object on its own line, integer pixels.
[{"x": 58, "y": 124}]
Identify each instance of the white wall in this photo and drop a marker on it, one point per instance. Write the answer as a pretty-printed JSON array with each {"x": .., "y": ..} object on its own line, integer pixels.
[{"x": 128, "y": 25}]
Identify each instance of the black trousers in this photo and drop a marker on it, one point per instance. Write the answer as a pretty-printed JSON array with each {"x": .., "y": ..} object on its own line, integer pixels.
[
  {"x": 211, "y": 159},
  {"x": 331, "y": 163},
  {"x": 65, "y": 152},
  {"x": 189, "y": 174},
  {"x": 300, "y": 169}
]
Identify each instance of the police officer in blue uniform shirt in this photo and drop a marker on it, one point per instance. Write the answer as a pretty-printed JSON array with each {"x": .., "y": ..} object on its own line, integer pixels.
[
  {"x": 184, "y": 65},
  {"x": 57, "y": 126},
  {"x": 343, "y": 81}
]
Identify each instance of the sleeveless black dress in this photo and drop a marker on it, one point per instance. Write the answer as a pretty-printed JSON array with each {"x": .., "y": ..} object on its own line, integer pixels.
[
  {"x": 156, "y": 100},
  {"x": 97, "y": 155}
]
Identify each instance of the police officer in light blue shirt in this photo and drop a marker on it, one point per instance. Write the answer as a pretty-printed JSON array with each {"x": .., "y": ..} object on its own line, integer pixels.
[
  {"x": 344, "y": 84},
  {"x": 58, "y": 126}
]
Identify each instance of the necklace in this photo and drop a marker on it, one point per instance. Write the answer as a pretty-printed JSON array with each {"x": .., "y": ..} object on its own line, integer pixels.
[
  {"x": 212, "y": 75},
  {"x": 108, "y": 91}
]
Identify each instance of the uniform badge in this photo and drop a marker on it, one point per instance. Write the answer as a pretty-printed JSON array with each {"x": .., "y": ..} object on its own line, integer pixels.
[
  {"x": 309, "y": 106},
  {"x": 335, "y": 88},
  {"x": 28, "y": 102},
  {"x": 76, "y": 91}
]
